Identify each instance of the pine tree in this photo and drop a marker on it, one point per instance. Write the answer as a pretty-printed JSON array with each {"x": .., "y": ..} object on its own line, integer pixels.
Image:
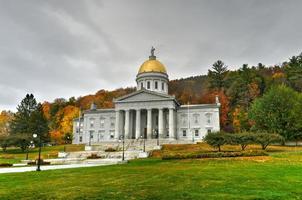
[
  {"x": 217, "y": 75},
  {"x": 20, "y": 125}
]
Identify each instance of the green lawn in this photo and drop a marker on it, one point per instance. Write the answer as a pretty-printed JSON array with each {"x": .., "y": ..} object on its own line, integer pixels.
[
  {"x": 15, "y": 155},
  {"x": 275, "y": 177}
]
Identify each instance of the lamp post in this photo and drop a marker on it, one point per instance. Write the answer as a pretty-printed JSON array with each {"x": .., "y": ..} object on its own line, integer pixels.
[
  {"x": 123, "y": 155},
  {"x": 144, "y": 143},
  {"x": 39, "y": 158},
  {"x": 157, "y": 133}
]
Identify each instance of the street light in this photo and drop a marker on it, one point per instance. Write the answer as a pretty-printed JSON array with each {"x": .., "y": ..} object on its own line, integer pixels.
[
  {"x": 157, "y": 133},
  {"x": 39, "y": 158},
  {"x": 123, "y": 156},
  {"x": 144, "y": 143}
]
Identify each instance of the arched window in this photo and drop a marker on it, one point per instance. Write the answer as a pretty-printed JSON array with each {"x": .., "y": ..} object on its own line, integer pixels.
[
  {"x": 148, "y": 85},
  {"x": 156, "y": 86}
]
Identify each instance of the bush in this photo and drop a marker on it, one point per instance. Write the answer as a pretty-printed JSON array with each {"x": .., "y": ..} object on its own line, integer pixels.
[
  {"x": 94, "y": 156},
  {"x": 110, "y": 149},
  {"x": 217, "y": 139},
  {"x": 6, "y": 164},
  {"x": 265, "y": 139},
  {"x": 214, "y": 155}
]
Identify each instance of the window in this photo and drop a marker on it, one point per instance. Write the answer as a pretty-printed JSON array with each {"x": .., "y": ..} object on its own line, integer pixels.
[
  {"x": 184, "y": 120},
  {"x": 156, "y": 85},
  {"x": 102, "y": 122},
  {"x": 81, "y": 138},
  {"x": 142, "y": 85},
  {"x": 91, "y": 123},
  {"x": 91, "y": 134},
  {"x": 208, "y": 116},
  {"x": 196, "y": 118},
  {"x": 196, "y": 132},
  {"x": 101, "y": 134},
  {"x": 163, "y": 86},
  {"x": 111, "y": 134},
  {"x": 148, "y": 85},
  {"x": 184, "y": 133},
  {"x": 112, "y": 121},
  {"x": 209, "y": 131}
]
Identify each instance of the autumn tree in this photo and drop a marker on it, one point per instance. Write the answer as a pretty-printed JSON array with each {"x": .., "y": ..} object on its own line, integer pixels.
[{"x": 5, "y": 120}]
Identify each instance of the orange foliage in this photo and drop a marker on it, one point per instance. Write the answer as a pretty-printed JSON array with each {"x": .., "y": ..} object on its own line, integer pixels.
[
  {"x": 56, "y": 136},
  {"x": 5, "y": 119},
  {"x": 65, "y": 118}
]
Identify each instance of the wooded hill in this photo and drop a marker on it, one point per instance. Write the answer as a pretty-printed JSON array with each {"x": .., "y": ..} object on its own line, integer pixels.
[{"x": 236, "y": 89}]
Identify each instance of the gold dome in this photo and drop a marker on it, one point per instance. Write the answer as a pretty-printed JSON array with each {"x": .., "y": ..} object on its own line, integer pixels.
[{"x": 152, "y": 65}]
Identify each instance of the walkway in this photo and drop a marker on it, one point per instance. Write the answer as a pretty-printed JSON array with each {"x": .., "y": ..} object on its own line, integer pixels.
[{"x": 50, "y": 167}]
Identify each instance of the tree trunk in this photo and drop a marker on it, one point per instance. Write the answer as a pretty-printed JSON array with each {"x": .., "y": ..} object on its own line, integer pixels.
[{"x": 219, "y": 148}]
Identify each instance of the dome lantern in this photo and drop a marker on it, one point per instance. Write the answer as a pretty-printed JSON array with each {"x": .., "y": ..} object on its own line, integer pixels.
[{"x": 152, "y": 75}]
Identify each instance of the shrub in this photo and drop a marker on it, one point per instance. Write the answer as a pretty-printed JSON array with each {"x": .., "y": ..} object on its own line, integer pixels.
[
  {"x": 217, "y": 139},
  {"x": 265, "y": 139},
  {"x": 6, "y": 164},
  {"x": 110, "y": 149},
  {"x": 94, "y": 156},
  {"x": 214, "y": 155}
]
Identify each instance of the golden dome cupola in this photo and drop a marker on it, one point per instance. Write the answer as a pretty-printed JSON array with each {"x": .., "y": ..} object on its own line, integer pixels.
[{"x": 152, "y": 75}]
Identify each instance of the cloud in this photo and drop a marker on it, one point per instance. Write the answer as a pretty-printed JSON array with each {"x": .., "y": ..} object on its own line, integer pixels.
[{"x": 63, "y": 48}]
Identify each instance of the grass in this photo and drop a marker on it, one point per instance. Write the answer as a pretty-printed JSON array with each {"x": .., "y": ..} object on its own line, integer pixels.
[
  {"x": 269, "y": 177},
  {"x": 15, "y": 155}
]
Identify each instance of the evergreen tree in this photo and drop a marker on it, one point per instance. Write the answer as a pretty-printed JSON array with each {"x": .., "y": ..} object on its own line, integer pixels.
[
  {"x": 38, "y": 124},
  {"x": 217, "y": 76},
  {"x": 20, "y": 126},
  {"x": 293, "y": 70}
]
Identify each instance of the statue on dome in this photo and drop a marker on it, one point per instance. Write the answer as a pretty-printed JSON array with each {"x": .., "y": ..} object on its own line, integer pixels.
[{"x": 152, "y": 51}]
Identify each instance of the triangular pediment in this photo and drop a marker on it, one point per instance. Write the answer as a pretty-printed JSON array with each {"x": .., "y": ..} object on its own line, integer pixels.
[{"x": 144, "y": 95}]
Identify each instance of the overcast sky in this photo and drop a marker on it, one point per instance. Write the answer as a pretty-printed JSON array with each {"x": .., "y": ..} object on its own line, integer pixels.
[{"x": 64, "y": 48}]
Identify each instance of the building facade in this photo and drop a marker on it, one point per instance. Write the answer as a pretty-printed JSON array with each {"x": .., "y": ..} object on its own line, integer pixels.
[{"x": 150, "y": 112}]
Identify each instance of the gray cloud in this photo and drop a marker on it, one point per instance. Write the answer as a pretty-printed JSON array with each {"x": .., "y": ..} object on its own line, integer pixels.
[{"x": 64, "y": 48}]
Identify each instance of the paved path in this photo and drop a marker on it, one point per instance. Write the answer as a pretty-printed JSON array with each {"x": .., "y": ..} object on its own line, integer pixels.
[{"x": 49, "y": 167}]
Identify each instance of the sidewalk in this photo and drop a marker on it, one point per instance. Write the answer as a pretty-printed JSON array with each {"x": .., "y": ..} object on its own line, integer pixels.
[{"x": 49, "y": 167}]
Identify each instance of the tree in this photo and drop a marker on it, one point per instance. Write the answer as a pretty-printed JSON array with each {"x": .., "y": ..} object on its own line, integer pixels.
[
  {"x": 20, "y": 125},
  {"x": 217, "y": 75},
  {"x": 5, "y": 120},
  {"x": 216, "y": 139},
  {"x": 265, "y": 139},
  {"x": 38, "y": 124},
  {"x": 243, "y": 139},
  {"x": 278, "y": 111},
  {"x": 293, "y": 70}
]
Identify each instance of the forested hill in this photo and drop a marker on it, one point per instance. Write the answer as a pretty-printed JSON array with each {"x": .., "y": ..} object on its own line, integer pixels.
[{"x": 236, "y": 89}]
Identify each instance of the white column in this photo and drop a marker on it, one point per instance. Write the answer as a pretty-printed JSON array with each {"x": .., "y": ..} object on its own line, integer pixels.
[
  {"x": 171, "y": 123},
  {"x": 138, "y": 124},
  {"x": 149, "y": 123},
  {"x": 127, "y": 123},
  {"x": 161, "y": 123},
  {"x": 117, "y": 124}
]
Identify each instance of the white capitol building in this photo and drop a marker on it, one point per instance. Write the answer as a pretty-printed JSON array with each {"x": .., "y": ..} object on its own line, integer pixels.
[{"x": 148, "y": 113}]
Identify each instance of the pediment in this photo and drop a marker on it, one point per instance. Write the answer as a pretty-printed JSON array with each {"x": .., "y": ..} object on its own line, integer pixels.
[{"x": 144, "y": 95}]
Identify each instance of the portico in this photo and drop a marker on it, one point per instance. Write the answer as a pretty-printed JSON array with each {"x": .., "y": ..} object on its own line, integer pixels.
[{"x": 148, "y": 123}]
